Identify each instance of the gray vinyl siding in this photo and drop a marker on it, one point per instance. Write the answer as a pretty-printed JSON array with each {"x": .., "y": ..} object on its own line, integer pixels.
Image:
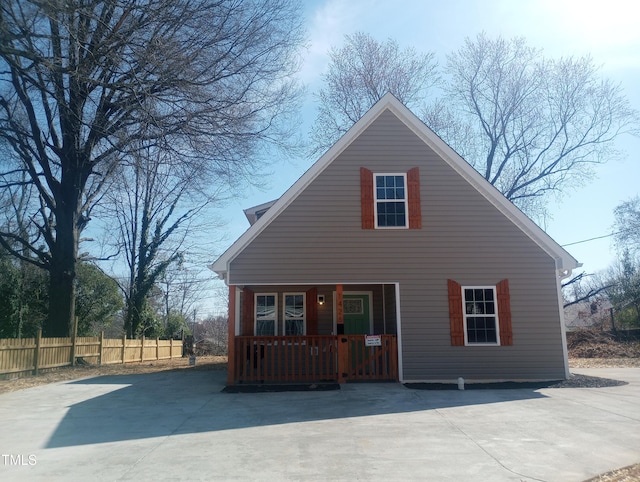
[{"x": 318, "y": 239}]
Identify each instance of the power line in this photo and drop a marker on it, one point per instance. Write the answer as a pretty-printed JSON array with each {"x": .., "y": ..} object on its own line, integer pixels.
[{"x": 591, "y": 239}]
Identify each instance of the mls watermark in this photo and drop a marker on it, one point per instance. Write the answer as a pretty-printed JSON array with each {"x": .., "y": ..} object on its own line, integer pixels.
[{"x": 20, "y": 460}]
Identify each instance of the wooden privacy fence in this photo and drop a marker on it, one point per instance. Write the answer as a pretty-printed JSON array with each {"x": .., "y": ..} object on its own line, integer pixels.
[
  {"x": 284, "y": 359},
  {"x": 29, "y": 355}
]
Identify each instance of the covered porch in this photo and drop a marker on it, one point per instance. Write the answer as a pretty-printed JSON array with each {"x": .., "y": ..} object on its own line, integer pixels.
[{"x": 313, "y": 333}]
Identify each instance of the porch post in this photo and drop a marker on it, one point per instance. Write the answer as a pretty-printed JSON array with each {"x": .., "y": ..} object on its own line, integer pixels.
[
  {"x": 231, "y": 362},
  {"x": 343, "y": 346},
  {"x": 339, "y": 309}
]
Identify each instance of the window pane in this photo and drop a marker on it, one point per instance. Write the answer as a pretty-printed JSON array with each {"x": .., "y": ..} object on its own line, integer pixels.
[
  {"x": 481, "y": 329},
  {"x": 294, "y": 327},
  {"x": 265, "y": 328},
  {"x": 265, "y": 306},
  {"x": 379, "y": 181},
  {"x": 488, "y": 295},
  {"x": 294, "y": 306}
]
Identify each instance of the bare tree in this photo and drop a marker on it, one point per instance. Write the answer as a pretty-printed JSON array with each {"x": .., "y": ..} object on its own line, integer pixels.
[
  {"x": 360, "y": 73},
  {"x": 84, "y": 85},
  {"x": 585, "y": 287},
  {"x": 531, "y": 126},
  {"x": 154, "y": 202},
  {"x": 183, "y": 286},
  {"x": 627, "y": 226}
]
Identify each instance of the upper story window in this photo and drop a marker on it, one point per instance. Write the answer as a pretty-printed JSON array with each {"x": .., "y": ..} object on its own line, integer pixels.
[{"x": 390, "y": 200}]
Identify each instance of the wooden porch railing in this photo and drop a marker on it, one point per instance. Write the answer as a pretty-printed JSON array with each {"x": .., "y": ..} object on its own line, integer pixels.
[
  {"x": 361, "y": 362},
  {"x": 285, "y": 359}
]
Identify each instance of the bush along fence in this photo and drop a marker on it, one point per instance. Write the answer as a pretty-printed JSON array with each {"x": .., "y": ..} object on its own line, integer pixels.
[{"x": 25, "y": 356}]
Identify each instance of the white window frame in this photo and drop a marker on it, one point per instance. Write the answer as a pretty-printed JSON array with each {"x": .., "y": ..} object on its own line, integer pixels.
[
  {"x": 465, "y": 315},
  {"x": 285, "y": 318},
  {"x": 275, "y": 313},
  {"x": 376, "y": 200}
]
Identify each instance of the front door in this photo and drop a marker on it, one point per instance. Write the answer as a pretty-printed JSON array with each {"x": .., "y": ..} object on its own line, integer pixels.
[{"x": 357, "y": 317}]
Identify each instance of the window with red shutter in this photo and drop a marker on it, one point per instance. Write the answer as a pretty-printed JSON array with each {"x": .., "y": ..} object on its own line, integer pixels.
[
  {"x": 390, "y": 200},
  {"x": 480, "y": 315}
]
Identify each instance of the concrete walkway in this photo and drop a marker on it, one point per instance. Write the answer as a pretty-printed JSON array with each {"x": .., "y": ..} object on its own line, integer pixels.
[{"x": 179, "y": 426}]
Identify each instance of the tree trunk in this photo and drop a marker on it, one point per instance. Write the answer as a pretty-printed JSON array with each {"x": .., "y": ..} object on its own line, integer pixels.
[
  {"x": 62, "y": 296},
  {"x": 62, "y": 273}
]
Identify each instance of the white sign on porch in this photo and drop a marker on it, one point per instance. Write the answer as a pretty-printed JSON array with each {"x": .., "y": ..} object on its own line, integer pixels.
[{"x": 372, "y": 340}]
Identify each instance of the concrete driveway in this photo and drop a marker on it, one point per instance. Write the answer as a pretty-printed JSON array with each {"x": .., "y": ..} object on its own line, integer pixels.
[{"x": 179, "y": 426}]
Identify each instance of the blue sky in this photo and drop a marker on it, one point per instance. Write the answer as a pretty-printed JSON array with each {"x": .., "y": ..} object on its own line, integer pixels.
[{"x": 607, "y": 31}]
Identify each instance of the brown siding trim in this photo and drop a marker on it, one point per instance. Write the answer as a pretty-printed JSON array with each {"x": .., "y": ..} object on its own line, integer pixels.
[
  {"x": 455, "y": 313},
  {"x": 366, "y": 198},
  {"x": 504, "y": 312},
  {"x": 231, "y": 336},
  {"x": 413, "y": 191},
  {"x": 247, "y": 312},
  {"x": 312, "y": 311}
]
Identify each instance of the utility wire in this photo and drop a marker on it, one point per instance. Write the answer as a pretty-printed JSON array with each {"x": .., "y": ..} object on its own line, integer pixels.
[{"x": 591, "y": 239}]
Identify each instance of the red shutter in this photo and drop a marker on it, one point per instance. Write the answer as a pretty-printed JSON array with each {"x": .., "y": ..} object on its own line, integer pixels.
[
  {"x": 312, "y": 311},
  {"x": 366, "y": 198},
  {"x": 455, "y": 313},
  {"x": 504, "y": 312},
  {"x": 413, "y": 191},
  {"x": 248, "y": 308}
]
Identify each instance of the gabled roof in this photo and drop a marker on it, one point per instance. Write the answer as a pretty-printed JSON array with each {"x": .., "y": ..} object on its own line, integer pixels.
[{"x": 564, "y": 261}]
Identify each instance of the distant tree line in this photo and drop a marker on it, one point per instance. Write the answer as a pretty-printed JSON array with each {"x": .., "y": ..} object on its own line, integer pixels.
[{"x": 620, "y": 283}]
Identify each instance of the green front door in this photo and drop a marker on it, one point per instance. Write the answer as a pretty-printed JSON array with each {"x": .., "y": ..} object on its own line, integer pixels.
[{"x": 356, "y": 314}]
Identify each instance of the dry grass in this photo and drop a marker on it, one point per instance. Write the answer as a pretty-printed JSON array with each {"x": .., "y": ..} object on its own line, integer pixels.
[
  {"x": 589, "y": 343},
  {"x": 625, "y": 474},
  {"x": 85, "y": 371}
]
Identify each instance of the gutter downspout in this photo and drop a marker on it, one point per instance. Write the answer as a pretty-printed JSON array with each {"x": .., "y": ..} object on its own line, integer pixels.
[{"x": 560, "y": 275}]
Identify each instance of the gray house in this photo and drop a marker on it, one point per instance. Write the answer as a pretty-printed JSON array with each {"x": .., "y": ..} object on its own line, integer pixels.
[{"x": 392, "y": 258}]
